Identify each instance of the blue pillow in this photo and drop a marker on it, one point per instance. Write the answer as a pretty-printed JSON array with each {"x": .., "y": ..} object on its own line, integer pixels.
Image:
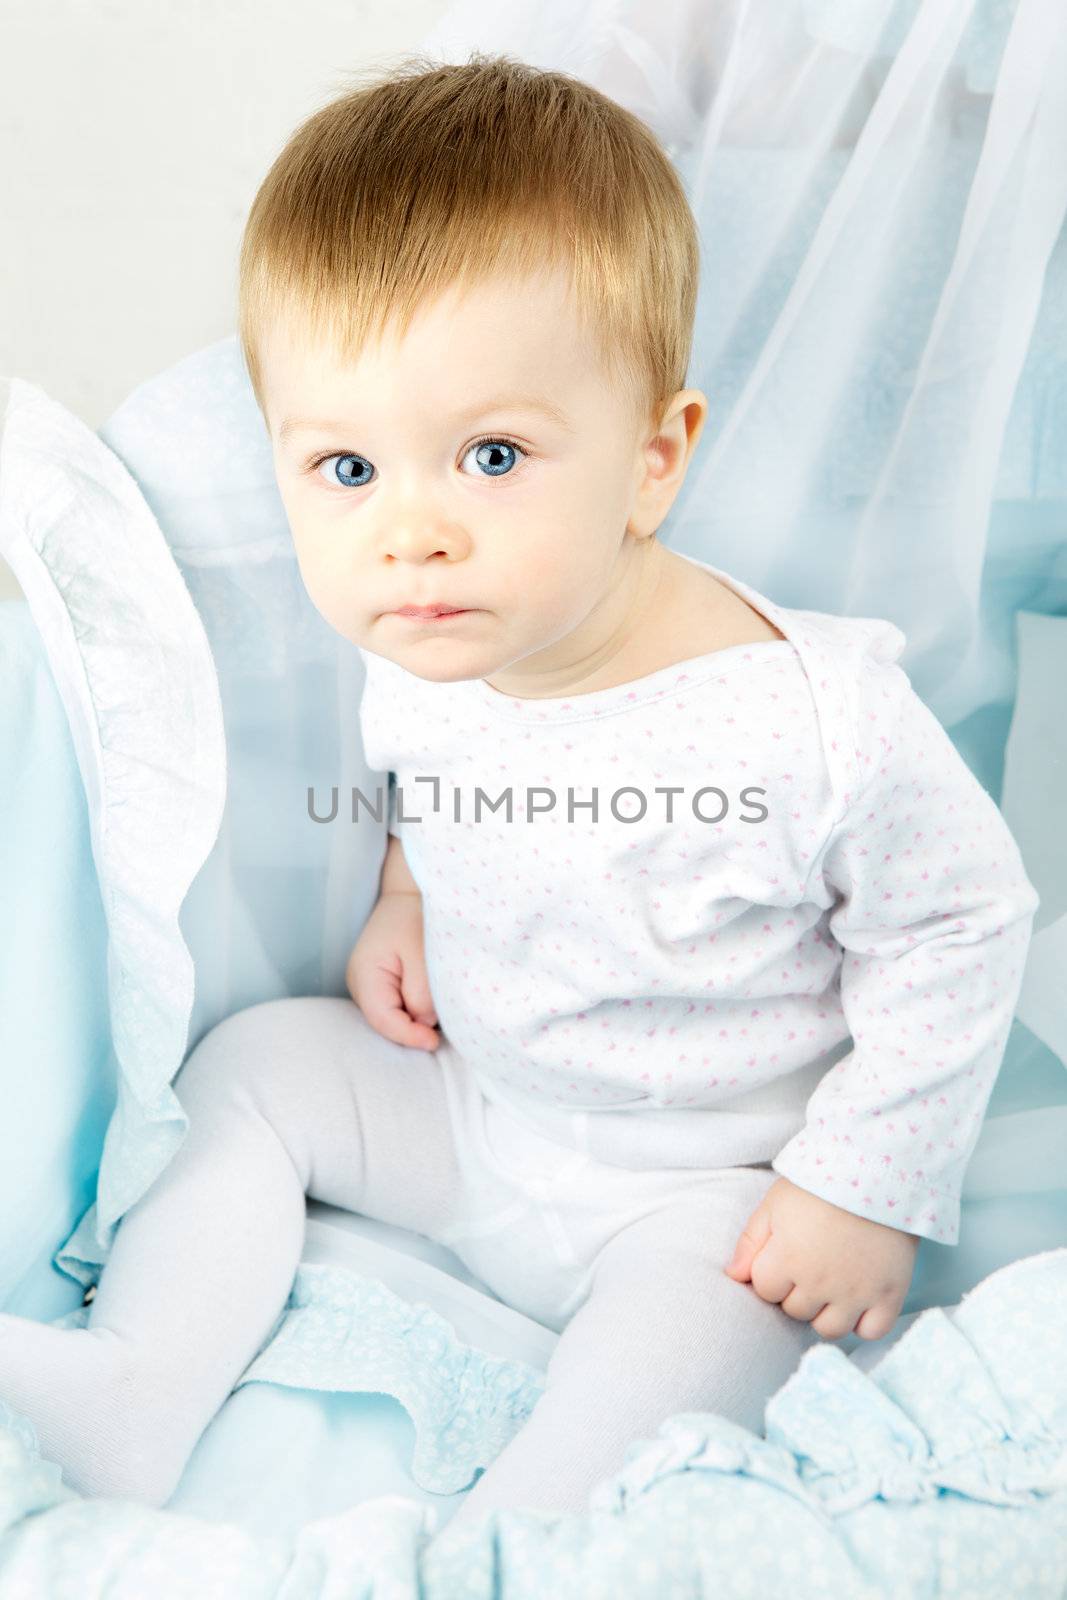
[{"x": 57, "y": 1068}]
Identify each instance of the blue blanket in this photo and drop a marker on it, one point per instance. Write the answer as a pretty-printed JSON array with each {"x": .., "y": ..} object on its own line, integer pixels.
[{"x": 945, "y": 1464}]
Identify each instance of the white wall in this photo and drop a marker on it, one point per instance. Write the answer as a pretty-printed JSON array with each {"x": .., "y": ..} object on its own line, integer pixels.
[{"x": 133, "y": 136}]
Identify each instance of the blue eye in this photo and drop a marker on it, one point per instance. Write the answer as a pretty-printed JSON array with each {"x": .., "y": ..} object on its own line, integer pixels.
[
  {"x": 497, "y": 458},
  {"x": 348, "y": 479},
  {"x": 497, "y": 451}
]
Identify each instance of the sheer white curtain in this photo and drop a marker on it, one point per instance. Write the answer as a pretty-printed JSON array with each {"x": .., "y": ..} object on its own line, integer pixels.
[{"x": 880, "y": 189}]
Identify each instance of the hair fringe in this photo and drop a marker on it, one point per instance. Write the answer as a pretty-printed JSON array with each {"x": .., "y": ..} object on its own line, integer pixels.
[{"x": 424, "y": 176}]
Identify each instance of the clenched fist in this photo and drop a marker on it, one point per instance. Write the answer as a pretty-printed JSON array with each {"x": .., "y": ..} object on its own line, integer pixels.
[
  {"x": 823, "y": 1265},
  {"x": 386, "y": 973}
]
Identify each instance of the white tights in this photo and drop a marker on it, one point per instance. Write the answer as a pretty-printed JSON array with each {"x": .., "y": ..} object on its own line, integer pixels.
[{"x": 300, "y": 1097}]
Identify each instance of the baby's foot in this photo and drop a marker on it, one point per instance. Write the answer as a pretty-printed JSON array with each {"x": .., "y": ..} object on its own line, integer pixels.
[{"x": 92, "y": 1409}]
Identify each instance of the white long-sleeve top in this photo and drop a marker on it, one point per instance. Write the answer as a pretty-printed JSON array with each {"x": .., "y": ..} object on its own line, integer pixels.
[{"x": 809, "y": 954}]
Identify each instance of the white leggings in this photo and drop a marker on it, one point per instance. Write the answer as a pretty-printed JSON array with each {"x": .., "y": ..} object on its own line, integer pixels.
[{"x": 300, "y": 1097}]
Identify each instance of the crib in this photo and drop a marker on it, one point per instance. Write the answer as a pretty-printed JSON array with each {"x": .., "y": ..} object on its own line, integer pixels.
[{"x": 882, "y": 331}]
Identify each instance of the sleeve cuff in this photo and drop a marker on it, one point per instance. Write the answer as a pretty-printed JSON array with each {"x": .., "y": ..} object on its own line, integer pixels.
[{"x": 872, "y": 1189}]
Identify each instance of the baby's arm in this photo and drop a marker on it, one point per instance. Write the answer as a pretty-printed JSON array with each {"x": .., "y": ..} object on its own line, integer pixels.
[
  {"x": 933, "y": 913},
  {"x": 396, "y": 875},
  {"x": 386, "y": 973}
]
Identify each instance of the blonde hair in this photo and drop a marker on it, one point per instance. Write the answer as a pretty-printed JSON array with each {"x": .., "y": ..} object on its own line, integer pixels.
[{"x": 437, "y": 176}]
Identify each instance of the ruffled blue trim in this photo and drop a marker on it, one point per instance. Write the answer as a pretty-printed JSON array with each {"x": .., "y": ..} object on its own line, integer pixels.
[
  {"x": 854, "y": 1442},
  {"x": 699, "y": 1441},
  {"x": 341, "y": 1330}
]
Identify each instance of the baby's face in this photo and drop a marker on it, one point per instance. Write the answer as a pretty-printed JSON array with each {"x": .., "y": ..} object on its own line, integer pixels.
[{"x": 392, "y": 501}]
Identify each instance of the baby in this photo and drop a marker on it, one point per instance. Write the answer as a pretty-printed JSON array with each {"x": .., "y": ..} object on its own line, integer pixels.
[{"x": 697, "y": 943}]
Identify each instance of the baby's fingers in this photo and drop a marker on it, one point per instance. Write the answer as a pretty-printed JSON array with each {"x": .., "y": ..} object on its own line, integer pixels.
[
  {"x": 400, "y": 1026},
  {"x": 415, "y": 993},
  {"x": 381, "y": 1001},
  {"x": 838, "y": 1318},
  {"x": 878, "y": 1319},
  {"x": 804, "y": 1305}
]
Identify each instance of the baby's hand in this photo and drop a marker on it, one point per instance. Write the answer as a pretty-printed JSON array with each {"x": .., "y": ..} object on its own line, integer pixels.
[
  {"x": 824, "y": 1265},
  {"x": 386, "y": 973}
]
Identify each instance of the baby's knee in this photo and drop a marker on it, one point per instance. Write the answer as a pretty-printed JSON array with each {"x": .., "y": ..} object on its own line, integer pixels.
[
  {"x": 287, "y": 1065},
  {"x": 270, "y": 1041}
]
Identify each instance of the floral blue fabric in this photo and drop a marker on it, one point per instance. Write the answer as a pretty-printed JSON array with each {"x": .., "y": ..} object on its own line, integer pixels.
[
  {"x": 342, "y": 1331},
  {"x": 942, "y": 1469}
]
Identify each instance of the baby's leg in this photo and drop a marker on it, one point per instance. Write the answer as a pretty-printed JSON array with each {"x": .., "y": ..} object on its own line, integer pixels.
[
  {"x": 662, "y": 1331},
  {"x": 288, "y": 1097}
]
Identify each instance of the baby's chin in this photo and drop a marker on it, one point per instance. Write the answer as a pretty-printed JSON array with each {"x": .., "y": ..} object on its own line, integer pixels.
[
  {"x": 458, "y": 674},
  {"x": 438, "y": 660}
]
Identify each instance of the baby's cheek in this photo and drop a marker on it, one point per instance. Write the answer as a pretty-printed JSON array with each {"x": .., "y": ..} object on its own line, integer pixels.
[{"x": 328, "y": 585}]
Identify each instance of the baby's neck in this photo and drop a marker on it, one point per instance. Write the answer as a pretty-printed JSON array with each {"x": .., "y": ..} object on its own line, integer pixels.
[{"x": 678, "y": 611}]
